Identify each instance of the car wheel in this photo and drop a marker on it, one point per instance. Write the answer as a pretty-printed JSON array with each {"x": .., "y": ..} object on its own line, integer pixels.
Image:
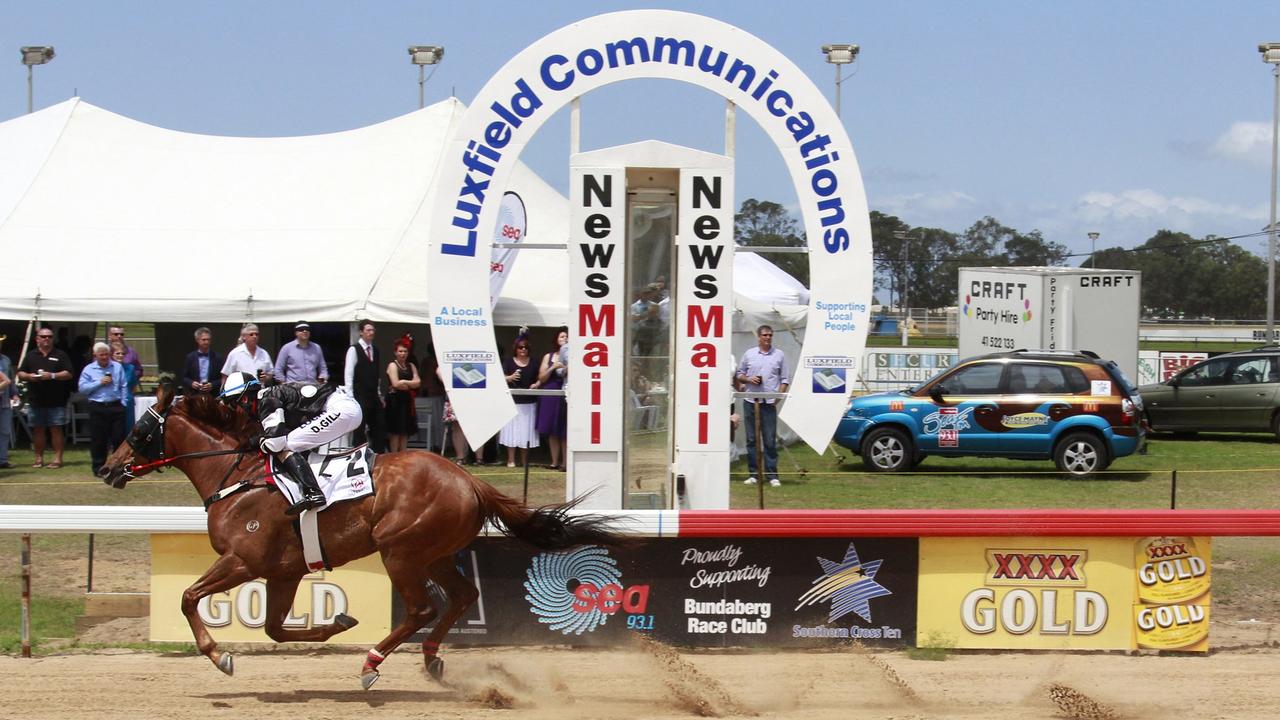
[
  {"x": 886, "y": 450},
  {"x": 1275, "y": 426},
  {"x": 1081, "y": 454}
]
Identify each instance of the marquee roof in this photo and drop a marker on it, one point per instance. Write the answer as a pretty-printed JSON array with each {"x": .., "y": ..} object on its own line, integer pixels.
[{"x": 104, "y": 216}]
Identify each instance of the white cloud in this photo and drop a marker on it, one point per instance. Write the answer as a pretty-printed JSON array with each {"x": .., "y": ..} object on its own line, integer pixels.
[
  {"x": 915, "y": 204},
  {"x": 1161, "y": 210},
  {"x": 1244, "y": 141}
]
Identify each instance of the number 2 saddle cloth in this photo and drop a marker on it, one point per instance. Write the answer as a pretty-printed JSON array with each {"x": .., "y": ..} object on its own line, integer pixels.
[{"x": 342, "y": 476}]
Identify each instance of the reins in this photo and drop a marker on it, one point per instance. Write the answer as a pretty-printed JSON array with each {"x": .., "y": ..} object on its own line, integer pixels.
[{"x": 132, "y": 470}]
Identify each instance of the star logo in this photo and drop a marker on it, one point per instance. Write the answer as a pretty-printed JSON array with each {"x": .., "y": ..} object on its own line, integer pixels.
[{"x": 849, "y": 585}]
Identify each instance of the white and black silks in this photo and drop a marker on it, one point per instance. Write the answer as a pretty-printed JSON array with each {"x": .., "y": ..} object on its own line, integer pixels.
[{"x": 299, "y": 416}]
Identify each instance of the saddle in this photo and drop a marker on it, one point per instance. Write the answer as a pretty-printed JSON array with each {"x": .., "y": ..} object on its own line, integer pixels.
[{"x": 342, "y": 476}]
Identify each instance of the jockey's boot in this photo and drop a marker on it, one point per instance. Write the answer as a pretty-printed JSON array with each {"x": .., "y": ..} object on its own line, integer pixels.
[{"x": 312, "y": 499}]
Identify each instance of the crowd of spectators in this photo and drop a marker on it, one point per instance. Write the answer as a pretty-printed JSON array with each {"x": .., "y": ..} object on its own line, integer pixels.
[{"x": 398, "y": 397}]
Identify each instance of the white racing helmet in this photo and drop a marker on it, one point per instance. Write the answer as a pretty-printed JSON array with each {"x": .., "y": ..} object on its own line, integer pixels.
[{"x": 235, "y": 386}]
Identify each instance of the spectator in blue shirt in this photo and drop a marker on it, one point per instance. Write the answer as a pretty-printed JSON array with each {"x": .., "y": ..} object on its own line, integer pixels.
[
  {"x": 301, "y": 360},
  {"x": 103, "y": 383}
]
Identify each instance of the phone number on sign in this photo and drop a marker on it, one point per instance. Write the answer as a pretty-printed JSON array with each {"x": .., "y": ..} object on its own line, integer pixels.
[{"x": 997, "y": 342}]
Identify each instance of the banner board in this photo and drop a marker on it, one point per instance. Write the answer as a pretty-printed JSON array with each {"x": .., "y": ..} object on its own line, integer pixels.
[
  {"x": 1064, "y": 593},
  {"x": 1172, "y": 363},
  {"x": 893, "y": 368},
  {"x": 787, "y": 592},
  {"x": 360, "y": 589}
]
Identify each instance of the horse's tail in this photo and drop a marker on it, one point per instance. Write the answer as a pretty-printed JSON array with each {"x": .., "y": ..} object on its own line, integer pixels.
[{"x": 550, "y": 527}]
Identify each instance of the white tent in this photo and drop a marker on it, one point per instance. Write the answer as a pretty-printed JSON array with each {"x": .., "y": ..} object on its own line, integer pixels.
[{"x": 109, "y": 217}]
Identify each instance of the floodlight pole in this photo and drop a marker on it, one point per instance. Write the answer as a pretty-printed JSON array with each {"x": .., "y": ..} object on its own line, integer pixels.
[
  {"x": 1271, "y": 56},
  {"x": 33, "y": 55},
  {"x": 1274, "y": 54},
  {"x": 422, "y": 56},
  {"x": 1093, "y": 248},
  {"x": 840, "y": 54}
]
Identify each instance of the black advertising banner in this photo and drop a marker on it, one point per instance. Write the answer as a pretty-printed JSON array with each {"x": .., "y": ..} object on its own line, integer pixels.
[{"x": 708, "y": 592}]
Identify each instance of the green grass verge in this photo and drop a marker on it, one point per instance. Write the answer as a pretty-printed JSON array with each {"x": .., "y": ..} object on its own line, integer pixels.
[{"x": 52, "y": 616}]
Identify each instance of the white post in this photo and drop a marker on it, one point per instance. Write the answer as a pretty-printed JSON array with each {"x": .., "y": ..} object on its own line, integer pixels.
[
  {"x": 730, "y": 127},
  {"x": 575, "y": 126}
]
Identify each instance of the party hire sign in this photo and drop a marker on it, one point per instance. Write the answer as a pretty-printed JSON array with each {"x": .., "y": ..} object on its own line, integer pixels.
[{"x": 1065, "y": 593}]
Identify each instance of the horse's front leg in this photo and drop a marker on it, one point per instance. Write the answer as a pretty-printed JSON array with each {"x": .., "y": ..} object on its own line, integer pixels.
[
  {"x": 280, "y": 595},
  {"x": 228, "y": 572}
]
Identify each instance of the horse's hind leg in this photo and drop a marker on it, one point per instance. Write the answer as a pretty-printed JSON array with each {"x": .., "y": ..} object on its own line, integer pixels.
[
  {"x": 228, "y": 572},
  {"x": 280, "y": 596},
  {"x": 410, "y": 581},
  {"x": 462, "y": 593}
]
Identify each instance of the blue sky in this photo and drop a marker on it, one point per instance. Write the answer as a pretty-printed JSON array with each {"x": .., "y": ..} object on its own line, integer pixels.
[{"x": 1120, "y": 118}]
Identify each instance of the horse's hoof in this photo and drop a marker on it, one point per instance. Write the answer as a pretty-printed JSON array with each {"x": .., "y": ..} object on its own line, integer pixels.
[
  {"x": 226, "y": 664},
  {"x": 435, "y": 668},
  {"x": 368, "y": 679},
  {"x": 345, "y": 621}
]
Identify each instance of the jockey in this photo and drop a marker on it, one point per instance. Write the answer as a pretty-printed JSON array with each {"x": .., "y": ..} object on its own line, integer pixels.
[{"x": 295, "y": 417}]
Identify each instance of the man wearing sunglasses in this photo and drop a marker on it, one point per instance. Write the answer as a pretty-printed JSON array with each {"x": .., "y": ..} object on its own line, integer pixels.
[
  {"x": 47, "y": 372},
  {"x": 249, "y": 357}
]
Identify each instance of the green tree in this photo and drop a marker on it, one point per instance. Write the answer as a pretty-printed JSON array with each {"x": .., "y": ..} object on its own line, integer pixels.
[
  {"x": 1003, "y": 246},
  {"x": 1186, "y": 277},
  {"x": 763, "y": 223}
]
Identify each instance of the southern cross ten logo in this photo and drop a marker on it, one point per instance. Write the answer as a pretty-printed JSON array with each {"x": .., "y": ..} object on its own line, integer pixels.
[{"x": 849, "y": 585}]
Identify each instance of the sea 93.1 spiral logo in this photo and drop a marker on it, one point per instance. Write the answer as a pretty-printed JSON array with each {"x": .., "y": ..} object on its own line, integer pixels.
[{"x": 577, "y": 591}]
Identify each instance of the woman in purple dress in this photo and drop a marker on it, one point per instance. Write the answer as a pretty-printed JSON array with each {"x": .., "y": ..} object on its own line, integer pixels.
[{"x": 553, "y": 412}]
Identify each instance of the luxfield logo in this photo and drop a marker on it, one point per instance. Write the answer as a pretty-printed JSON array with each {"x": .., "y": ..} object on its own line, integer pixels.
[{"x": 849, "y": 585}]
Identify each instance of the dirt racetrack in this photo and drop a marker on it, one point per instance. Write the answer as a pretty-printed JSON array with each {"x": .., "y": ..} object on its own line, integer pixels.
[{"x": 647, "y": 682}]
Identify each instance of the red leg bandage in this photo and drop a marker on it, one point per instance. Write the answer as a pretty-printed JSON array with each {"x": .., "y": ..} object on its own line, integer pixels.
[
  {"x": 430, "y": 648},
  {"x": 373, "y": 660}
]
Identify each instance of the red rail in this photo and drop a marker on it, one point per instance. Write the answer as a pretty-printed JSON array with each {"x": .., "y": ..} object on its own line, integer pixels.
[{"x": 973, "y": 523}]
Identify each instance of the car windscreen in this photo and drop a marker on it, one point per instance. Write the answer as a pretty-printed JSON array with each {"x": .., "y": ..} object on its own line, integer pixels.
[{"x": 1119, "y": 376}]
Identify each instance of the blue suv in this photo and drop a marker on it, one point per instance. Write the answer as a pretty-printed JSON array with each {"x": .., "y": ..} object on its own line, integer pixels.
[{"x": 1073, "y": 407}]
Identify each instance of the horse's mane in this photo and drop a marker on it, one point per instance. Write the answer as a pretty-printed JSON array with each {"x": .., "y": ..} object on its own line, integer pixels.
[{"x": 216, "y": 415}]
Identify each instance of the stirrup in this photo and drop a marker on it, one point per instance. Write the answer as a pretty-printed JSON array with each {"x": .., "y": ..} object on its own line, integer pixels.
[{"x": 308, "y": 502}]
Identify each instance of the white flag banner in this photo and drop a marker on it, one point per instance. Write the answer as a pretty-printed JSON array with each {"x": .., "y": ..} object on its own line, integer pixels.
[{"x": 512, "y": 228}]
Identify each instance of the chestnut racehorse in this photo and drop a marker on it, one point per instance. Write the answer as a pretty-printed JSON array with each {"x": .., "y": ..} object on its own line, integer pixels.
[{"x": 425, "y": 509}]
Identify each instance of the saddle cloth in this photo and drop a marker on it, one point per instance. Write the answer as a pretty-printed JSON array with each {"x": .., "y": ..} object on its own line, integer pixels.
[{"x": 341, "y": 476}]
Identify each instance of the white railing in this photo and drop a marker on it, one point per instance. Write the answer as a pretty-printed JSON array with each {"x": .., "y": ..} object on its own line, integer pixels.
[{"x": 34, "y": 519}]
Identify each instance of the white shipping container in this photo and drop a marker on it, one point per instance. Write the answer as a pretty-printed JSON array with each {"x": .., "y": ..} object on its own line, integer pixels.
[{"x": 1051, "y": 308}]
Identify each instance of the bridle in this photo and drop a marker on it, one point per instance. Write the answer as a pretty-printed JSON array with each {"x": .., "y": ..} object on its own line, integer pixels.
[{"x": 147, "y": 442}]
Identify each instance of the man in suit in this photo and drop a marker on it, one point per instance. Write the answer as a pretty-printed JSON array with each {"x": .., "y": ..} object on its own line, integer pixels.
[
  {"x": 362, "y": 377},
  {"x": 202, "y": 371}
]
